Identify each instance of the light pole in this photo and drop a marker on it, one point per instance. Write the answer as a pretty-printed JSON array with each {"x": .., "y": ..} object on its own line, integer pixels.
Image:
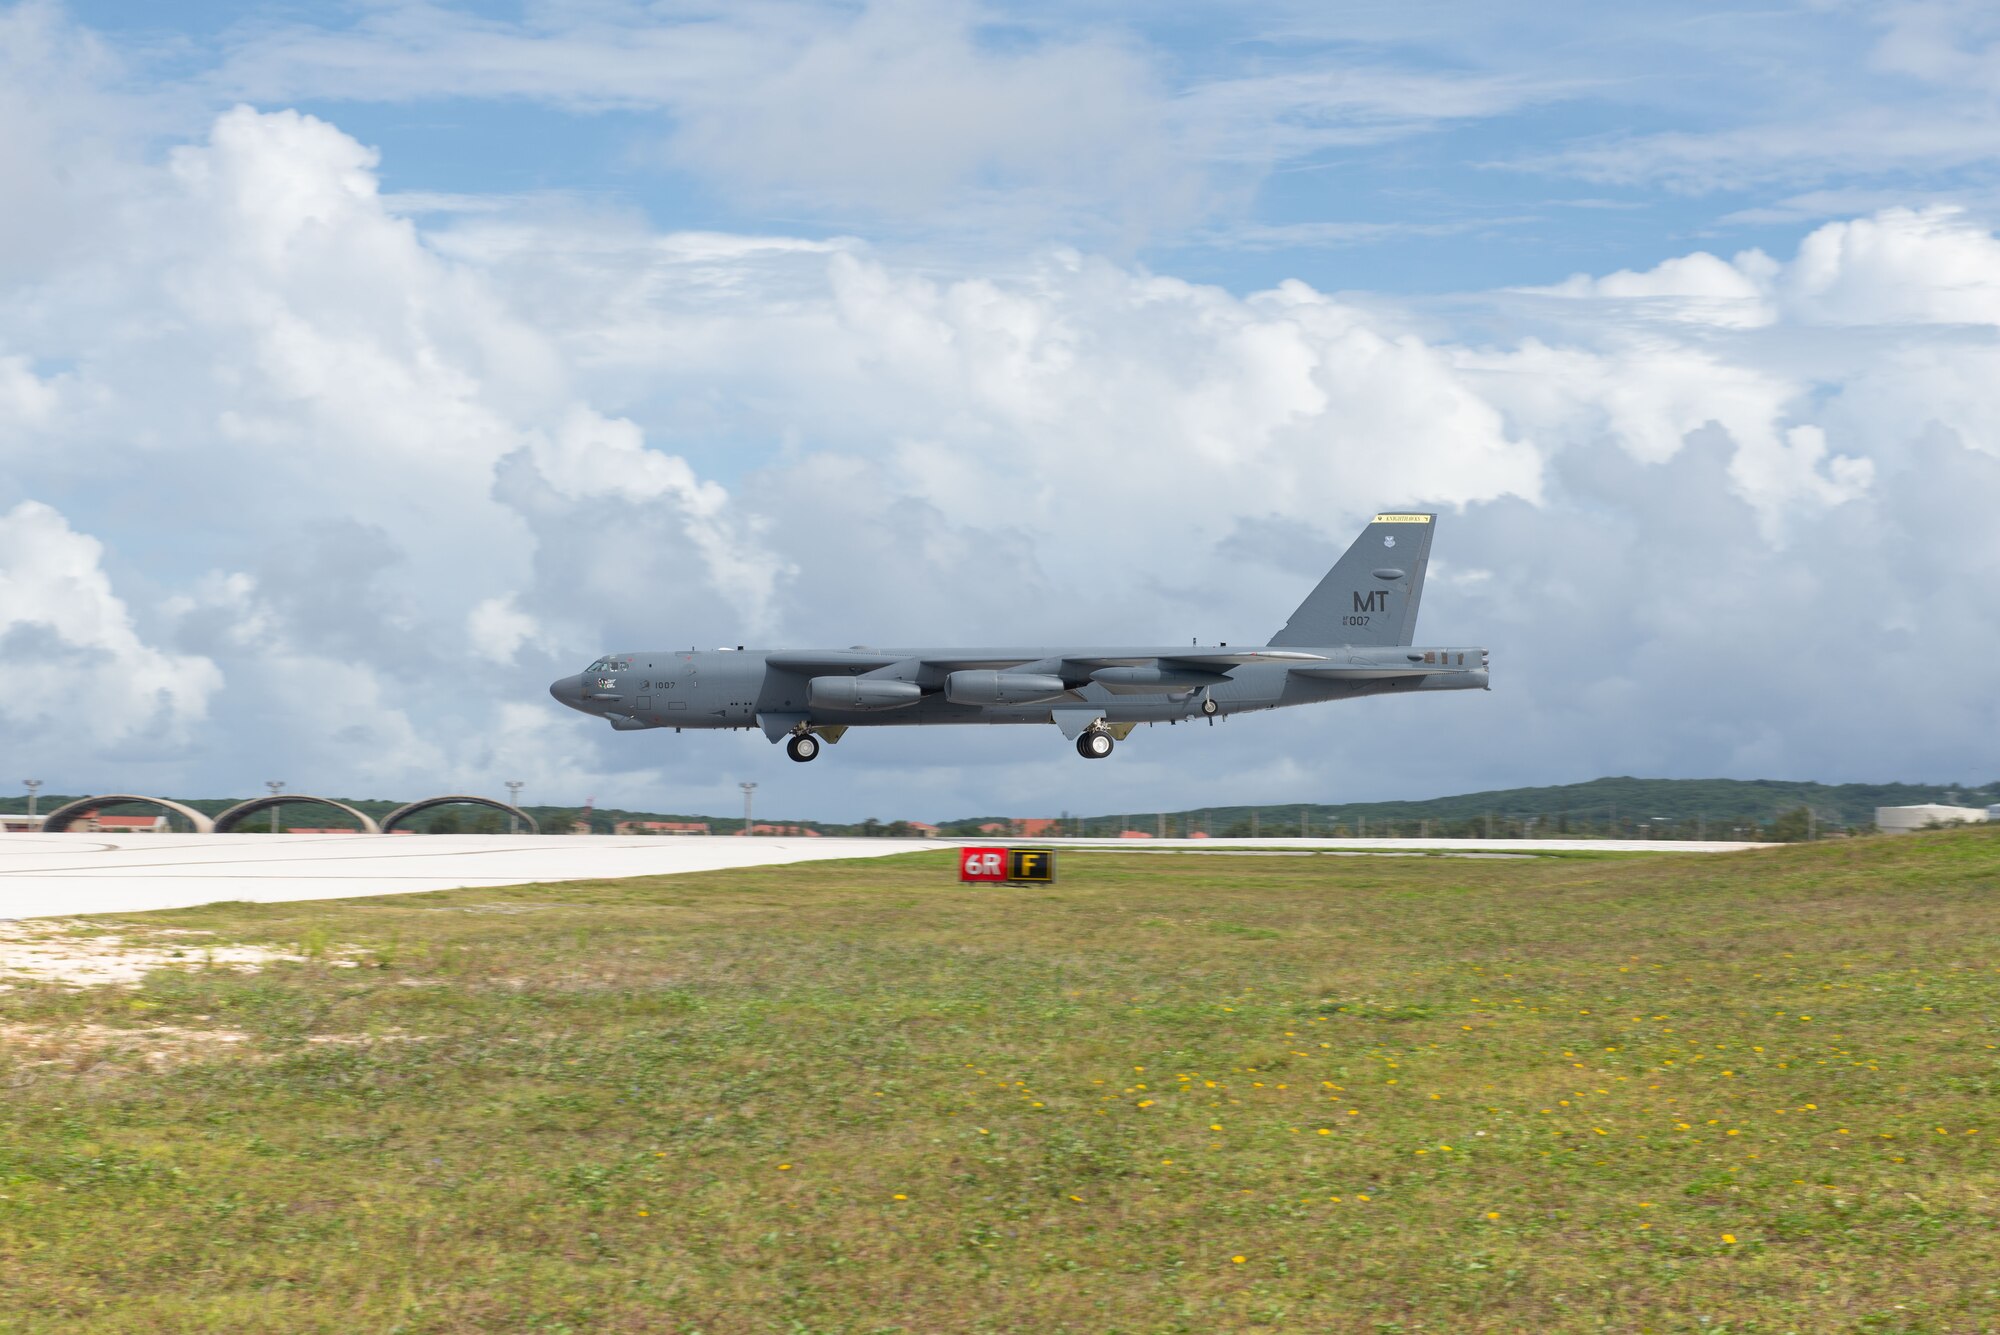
[
  {"x": 276, "y": 786},
  {"x": 514, "y": 787},
  {"x": 748, "y": 788},
  {"x": 33, "y": 786}
]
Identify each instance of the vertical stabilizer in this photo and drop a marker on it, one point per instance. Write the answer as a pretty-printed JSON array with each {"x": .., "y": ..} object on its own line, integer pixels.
[{"x": 1371, "y": 594}]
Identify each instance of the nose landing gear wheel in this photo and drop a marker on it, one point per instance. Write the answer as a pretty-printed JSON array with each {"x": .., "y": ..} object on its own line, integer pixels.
[
  {"x": 1209, "y": 706},
  {"x": 802, "y": 747},
  {"x": 1094, "y": 745}
]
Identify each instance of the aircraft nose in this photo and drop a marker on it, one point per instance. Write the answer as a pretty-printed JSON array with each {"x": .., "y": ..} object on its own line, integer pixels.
[{"x": 568, "y": 691}]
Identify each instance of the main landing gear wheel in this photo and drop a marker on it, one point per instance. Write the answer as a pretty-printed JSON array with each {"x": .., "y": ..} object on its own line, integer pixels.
[
  {"x": 1094, "y": 745},
  {"x": 803, "y": 747},
  {"x": 1209, "y": 707}
]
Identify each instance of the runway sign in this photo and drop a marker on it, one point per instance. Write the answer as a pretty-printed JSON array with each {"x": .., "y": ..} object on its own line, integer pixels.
[{"x": 1036, "y": 866}]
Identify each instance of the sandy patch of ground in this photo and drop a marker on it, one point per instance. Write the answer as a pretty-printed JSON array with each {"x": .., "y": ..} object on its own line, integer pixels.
[
  {"x": 86, "y": 1046},
  {"x": 83, "y": 1045},
  {"x": 84, "y": 955}
]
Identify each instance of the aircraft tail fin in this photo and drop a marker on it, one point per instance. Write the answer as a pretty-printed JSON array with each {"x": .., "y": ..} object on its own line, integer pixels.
[{"x": 1371, "y": 594}]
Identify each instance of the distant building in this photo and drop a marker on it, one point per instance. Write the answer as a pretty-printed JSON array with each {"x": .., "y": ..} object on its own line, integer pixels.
[
  {"x": 1199, "y": 834},
  {"x": 321, "y": 829},
  {"x": 801, "y": 831},
  {"x": 660, "y": 827},
  {"x": 1027, "y": 827},
  {"x": 15, "y": 822},
  {"x": 92, "y": 822},
  {"x": 1134, "y": 834},
  {"x": 922, "y": 829},
  {"x": 1906, "y": 820}
]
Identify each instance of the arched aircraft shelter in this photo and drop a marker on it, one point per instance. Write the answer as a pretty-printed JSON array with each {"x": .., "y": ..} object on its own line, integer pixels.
[
  {"x": 233, "y": 818},
  {"x": 60, "y": 818},
  {"x": 402, "y": 813}
]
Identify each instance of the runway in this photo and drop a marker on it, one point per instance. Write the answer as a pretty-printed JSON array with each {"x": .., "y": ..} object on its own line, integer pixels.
[
  {"x": 47, "y": 874},
  {"x": 44, "y": 875}
]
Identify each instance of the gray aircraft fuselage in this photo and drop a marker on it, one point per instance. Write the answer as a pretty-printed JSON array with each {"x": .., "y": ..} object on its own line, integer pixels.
[{"x": 1350, "y": 638}]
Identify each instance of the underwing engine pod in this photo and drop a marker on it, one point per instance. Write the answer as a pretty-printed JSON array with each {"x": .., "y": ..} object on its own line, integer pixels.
[
  {"x": 977, "y": 687},
  {"x": 861, "y": 693},
  {"x": 1155, "y": 680}
]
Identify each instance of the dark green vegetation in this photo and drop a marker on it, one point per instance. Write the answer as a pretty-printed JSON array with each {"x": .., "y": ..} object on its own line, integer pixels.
[
  {"x": 1623, "y": 808},
  {"x": 1752, "y": 1093}
]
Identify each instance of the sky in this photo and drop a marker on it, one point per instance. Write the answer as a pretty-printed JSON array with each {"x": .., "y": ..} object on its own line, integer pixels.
[{"x": 366, "y": 366}]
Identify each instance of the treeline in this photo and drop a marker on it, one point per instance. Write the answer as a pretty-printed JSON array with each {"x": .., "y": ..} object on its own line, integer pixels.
[{"x": 1613, "y": 808}]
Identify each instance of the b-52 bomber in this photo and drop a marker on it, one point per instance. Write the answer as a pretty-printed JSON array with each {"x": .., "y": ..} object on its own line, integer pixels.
[{"x": 1352, "y": 636}]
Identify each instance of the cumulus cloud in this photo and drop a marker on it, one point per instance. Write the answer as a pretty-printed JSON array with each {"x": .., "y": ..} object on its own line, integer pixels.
[
  {"x": 1934, "y": 266},
  {"x": 77, "y": 674},
  {"x": 392, "y": 473},
  {"x": 1700, "y": 288},
  {"x": 497, "y": 629},
  {"x": 316, "y": 408}
]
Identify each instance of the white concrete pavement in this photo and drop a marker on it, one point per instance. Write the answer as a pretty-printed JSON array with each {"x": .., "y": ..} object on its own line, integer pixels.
[
  {"x": 44, "y": 875},
  {"x": 48, "y": 874}
]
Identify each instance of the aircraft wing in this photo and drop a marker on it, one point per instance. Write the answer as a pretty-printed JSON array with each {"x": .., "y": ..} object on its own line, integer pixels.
[
  {"x": 867, "y": 660},
  {"x": 832, "y": 660},
  {"x": 1232, "y": 657},
  {"x": 1201, "y": 659},
  {"x": 961, "y": 663}
]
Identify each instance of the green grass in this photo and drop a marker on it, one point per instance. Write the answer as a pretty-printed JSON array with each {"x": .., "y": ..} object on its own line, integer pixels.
[{"x": 1742, "y": 1094}]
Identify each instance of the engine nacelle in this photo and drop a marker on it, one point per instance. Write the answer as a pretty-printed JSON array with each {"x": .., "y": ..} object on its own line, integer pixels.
[
  {"x": 1154, "y": 680},
  {"x": 861, "y": 693},
  {"x": 981, "y": 687}
]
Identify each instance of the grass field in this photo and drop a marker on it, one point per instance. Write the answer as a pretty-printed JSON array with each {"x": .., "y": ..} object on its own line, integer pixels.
[{"x": 1753, "y": 1093}]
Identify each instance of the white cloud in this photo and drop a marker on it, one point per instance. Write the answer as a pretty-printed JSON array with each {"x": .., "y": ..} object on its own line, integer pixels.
[
  {"x": 1934, "y": 266},
  {"x": 962, "y": 114},
  {"x": 885, "y": 107},
  {"x": 393, "y": 473},
  {"x": 74, "y": 671},
  {"x": 498, "y": 629},
  {"x": 593, "y": 457},
  {"x": 1699, "y": 288},
  {"x": 1274, "y": 117}
]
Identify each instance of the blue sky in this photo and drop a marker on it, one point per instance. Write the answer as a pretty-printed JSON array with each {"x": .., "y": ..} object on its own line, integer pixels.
[
  {"x": 1409, "y": 148},
  {"x": 364, "y": 366}
]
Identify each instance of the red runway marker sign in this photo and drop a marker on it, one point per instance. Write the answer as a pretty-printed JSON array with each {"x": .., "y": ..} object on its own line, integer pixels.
[{"x": 998, "y": 866}]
